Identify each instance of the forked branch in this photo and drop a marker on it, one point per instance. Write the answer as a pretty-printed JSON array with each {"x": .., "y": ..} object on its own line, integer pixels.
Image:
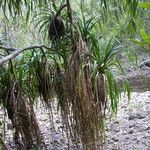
[{"x": 15, "y": 52}]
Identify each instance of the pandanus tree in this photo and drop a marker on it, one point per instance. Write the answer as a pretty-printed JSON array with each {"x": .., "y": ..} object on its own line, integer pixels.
[{"x": 75, "y": 63}]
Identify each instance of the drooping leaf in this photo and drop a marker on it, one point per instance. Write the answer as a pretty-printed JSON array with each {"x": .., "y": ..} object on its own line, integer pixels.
[
  {"x": 144, "y": 5},
  {"x": 145, "y": 36}
]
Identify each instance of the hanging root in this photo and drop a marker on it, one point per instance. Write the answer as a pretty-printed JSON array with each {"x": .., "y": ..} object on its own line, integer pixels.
[
  {"x": 20, "y": 112},
  {"x": 84, "y": 101}
]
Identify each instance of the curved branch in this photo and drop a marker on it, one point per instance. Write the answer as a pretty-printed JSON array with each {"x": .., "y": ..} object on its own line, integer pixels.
[
  {"x": 7, "y": 48},
  {"x": 60, "y": 9},
  {"x": 16, "y": 52}
]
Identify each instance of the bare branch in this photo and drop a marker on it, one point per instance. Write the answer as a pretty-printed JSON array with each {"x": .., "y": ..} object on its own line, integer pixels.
[
  {"x": 7, "y": 48},
  {"x": 16, "y": 52},
  {"x": 59, "y": 11}
]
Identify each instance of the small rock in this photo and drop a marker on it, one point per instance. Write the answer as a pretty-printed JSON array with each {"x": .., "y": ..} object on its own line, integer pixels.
[
  {"x": 132, "y": 125},
  {"x": 131, "y": 117},
  {"x": 116, "y": 122},
  {"x": 55, "y": 137},
  {"x": 58, "y": 121},
  {"x": 131, "y": 131},
  {"x": 139, "y": 116},
  {"x": 115, "y": 147},
  {"x": 110, "y": 142},
  {"x": 60, "y": 127},
  {"x": 124, "y": 106},
  {"x": 148, "y": 128},
  {"x": 127, "y": 137},
  {"x": 145, "y": 63},
  {"x": 115, "y": 127},
  {"x": 115, "y": 139},
  {"x": 147, "y": 137},
  {"x": 134, "y": 139}
]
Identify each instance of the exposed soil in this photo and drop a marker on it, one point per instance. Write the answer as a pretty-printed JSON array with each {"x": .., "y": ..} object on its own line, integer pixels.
[
  {"x": 139, "y": 74},
  {"x": 138, "y": 79},
  {"x": 130, "y": 129}
]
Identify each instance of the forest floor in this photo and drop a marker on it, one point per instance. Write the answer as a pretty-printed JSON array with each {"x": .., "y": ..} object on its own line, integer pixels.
[{"x": 128, "y": 130}]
